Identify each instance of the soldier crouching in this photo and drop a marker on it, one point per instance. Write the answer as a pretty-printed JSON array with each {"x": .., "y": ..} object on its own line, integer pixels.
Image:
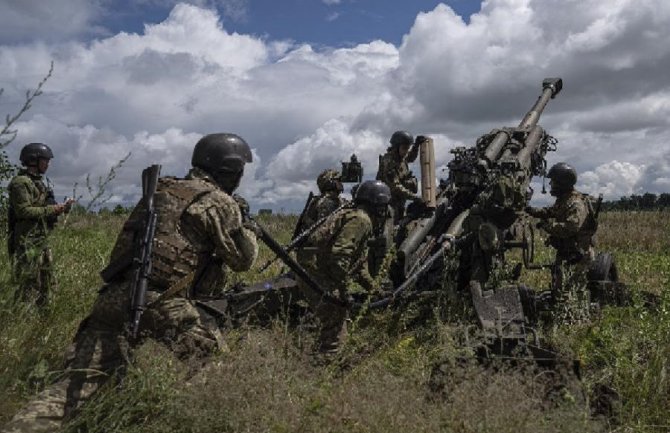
[
  {"x": 199, "y": 234},
  {"x": 571, "y": 224},
  {"x": 335, "y": 255}
]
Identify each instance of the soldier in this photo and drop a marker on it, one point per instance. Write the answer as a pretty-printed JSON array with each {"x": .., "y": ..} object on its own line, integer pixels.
[
  {"x": 571, "y": 224},
  {"x": 330, "y": 187},
  {"x": 199, "y": 234},
  {"x": 32, "y": 213},
  {"x": 335, "y": 255},
  {"x": 394, "y": 171}
]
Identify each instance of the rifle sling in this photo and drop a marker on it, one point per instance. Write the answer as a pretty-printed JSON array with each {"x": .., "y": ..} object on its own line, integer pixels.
[{"x": 174, "y": 289}]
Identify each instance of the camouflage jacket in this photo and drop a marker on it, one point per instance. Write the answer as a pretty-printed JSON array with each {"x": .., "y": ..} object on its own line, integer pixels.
[
  {"x": 570, "y": 223},
  {"x": 394, "y": 172},
  {"x": 28, "y": 210},
  {"x": 336, "y": 252},
  {"x": 199, "y": 231},
  {"x": 319, "y": 207}
]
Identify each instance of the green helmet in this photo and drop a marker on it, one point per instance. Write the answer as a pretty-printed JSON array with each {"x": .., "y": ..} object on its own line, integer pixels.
[
  {"x": 329, "y": 180},
  {"x": 32, "y": 152},
  {"x": 373, "y": 192},
  {"x": 221, "y": 153},
  {"x": 400, "y": 138},
  {"x": 563, "y": 177}
]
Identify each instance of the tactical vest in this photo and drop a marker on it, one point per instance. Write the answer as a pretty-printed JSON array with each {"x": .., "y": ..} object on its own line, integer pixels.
[{"x": 174, "y": 255}]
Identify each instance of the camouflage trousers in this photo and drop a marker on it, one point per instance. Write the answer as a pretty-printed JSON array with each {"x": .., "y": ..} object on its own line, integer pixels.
[
  {"x": 570, "y": 293},
  {"x": 100, "y": 351},
  {"x": 33, "y": 273},
  {"x": 332, "y": 320}
]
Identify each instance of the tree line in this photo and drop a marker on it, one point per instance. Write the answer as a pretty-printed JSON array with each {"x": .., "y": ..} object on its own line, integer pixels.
[{"x": 646, "y": 201}]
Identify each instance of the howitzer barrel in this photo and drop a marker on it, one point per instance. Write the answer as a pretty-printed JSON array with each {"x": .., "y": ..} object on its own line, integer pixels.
[
  {"x": 550, "y": 88},
  {"x": 532, "y": 141},
  {"x": 496, "y": 145}
]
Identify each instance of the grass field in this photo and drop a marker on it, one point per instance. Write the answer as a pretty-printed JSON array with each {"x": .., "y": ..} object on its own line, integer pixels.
[{"x": 268, "y": 381}]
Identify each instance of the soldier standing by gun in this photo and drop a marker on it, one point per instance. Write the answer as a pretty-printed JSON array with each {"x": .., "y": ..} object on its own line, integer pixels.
[
  {"x": 571, "y": 223},
  {"x": 197, "y": 235},
  {"x": 335, "y": 255},
  {"x": 33, "y": 212},
  {"x": 394, "y": 171},
  {"x": 330, "y": 187}
]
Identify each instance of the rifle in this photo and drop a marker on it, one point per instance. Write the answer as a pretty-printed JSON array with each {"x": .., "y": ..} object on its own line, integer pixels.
[
  {"x": 302, "y": 237},
  {"x": 301, "y": 218},
  {"x": 49, "y": 200},
  {"x": 142, "y": 258}
]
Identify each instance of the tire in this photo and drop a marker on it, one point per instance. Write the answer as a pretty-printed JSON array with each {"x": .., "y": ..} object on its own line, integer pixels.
[{"x": 603, "y": 269}]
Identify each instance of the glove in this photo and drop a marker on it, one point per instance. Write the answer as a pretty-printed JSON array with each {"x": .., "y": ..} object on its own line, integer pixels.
[
  {"x": 68, "y": 204},
  {"x": 243, "y": 205},
  {"x": 252, "y": 226},
  {"x": 420, "y": 139}
]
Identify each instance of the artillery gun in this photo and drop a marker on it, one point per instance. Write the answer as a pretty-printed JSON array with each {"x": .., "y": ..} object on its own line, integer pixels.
[
  {"x": 481, "y": 204},
  {"x": 491, "y": 179},
  {"x": 480, "y": 210}
]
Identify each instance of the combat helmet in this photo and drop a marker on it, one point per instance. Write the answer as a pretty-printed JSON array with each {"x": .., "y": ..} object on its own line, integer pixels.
[
  {"x": 400, "y": 138},
  {"x": 563, "y": 177},
  {"x": 329, "y": 180},
  {"x": 221, "y": 152},
  {"x": 373, "y": 192},
  {"x": 223, "y": 156},
  {"x": 32, "y": 152}
]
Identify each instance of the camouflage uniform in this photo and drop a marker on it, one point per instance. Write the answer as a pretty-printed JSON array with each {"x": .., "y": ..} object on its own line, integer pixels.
[
  {"x": 335, "y": 255},
  {"x": 320, "y": 207},
  {"x": 199, "y": 233},
  {"x": 32, "y": 213},
  {"x": 329, "y": 182},
  {"x": 571, "y": 225},
  {"x": 394, "y": 171}
]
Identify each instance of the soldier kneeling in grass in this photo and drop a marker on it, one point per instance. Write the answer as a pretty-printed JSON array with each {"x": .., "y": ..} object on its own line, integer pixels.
[{"x": 198, "y": 233}]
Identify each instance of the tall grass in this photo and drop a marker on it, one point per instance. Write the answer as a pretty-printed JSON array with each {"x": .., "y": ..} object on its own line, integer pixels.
[{"x": 384, "y": 380}]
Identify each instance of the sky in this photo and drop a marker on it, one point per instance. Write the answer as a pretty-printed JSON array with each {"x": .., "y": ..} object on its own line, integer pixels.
[{"x": 309, "y": 82}]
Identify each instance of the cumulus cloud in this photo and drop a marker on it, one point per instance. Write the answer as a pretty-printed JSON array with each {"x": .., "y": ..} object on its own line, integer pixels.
[
  {"x": 304, "y": 109},
  {"x": 613, "y": 179}
]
